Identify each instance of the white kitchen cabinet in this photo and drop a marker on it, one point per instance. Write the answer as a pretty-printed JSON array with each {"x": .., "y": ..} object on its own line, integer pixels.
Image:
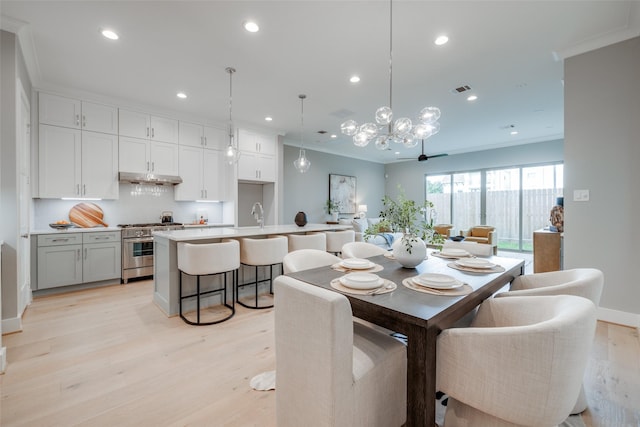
[
  {"x": 254, "y": 142},
  {"x": 256, "y": 167},
  {"x": 195, "y": 135},
  {"x": 203, "y": 174},
  {"x": 144, "y": 156},
  {"x": 76, "y": 114},
  {"x": 74, "y": 163},
  {"x": 72, "y": 258},
  {"x": 145, "y": 126}
]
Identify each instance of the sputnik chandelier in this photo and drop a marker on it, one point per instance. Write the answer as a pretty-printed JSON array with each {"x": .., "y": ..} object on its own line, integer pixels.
[{"x": 385, "y": 130}]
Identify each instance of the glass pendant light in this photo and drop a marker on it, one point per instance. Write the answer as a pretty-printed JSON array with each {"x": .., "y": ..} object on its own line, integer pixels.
[
  {"x": 302, "y": 164},
  {"x": 231, "y": 152}
]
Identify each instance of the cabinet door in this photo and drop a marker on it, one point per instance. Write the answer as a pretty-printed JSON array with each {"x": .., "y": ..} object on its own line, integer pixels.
[
  {"x": 190, "y": 168},
  {"x": 163, "y": 158},
  {"x": 133, "y": 155},
  {"x": 247, "y": 141},
  {"x": 99, "y": 118},
  {"x": 134, "y": 124},
  {"x": 266, "y": 168},
  {"x": 215, "y": 138},
  {"x": 163, "y": 129},
  {"x": 266, "y": 144},
  {"x": 213, "y": 175},
  {"x": 59, "y": 111},
  {"x": 59, "y": 162},
  {"x": 99, "y": 165},
  {"x": 191, "y": 134},
  {"x": 101, "y": 261},
  {"x": 59, "y": 266},
  {"x": 247, "y": 167}
]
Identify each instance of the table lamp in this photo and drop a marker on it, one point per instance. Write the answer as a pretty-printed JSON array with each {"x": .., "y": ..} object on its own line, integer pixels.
[{"x": 362, "y": 211}]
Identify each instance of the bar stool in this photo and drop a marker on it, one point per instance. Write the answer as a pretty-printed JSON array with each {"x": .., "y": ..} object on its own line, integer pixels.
[
  {"x": 210, "y": 259},
  {"x": 307, "y": 241},
  {"x": 336, "y": 239},
  {"x": 261, "y": 253}
]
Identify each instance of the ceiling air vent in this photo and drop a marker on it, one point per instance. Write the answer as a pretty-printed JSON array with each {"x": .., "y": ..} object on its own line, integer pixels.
[{"x": 460, "y": 89}]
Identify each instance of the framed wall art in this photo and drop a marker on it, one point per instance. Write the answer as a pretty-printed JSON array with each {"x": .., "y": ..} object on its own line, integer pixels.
[{"x": 342, "y": 189}]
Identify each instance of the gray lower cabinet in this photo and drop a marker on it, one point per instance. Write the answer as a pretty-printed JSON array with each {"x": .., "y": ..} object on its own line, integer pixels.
[{"x": 73, "y": 258}]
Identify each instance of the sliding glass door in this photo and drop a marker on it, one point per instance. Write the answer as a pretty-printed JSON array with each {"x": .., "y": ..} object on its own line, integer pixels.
[{"x": 515, "y": 200}]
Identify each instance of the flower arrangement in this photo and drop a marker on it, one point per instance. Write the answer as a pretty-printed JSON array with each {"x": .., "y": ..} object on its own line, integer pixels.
[{"x": 332, "y": 206}]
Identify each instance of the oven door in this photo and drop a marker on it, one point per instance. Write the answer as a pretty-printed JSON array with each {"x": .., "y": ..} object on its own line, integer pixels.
[{"x": 137, "y": 252}]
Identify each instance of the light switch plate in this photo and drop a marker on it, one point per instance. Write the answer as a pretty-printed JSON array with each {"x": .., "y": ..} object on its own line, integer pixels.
[{"x": 580, "y": 195}]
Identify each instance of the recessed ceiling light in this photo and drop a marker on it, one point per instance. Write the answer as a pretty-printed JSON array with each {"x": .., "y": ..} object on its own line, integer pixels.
[
  {"x": 110, "y": 34},
  {"x": 251, "y": 26},
  {"x": 440, "y": 40},
  {"x": 514, "y": 132},
  {"x": 472, "y": 98},
  {"x": 354, "y": 79},
  {"x": 181, "y": 95},
  {"x": 268, "y": 118},
  {"x": 334, "y": 136}
]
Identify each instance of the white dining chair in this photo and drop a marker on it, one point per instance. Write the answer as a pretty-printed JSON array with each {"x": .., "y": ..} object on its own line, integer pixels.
[
  {"x": 331, "y": 371},
  {"x": 306, "y": 259},
  {"x": 519, "y": 364},
  {"x": 361, "y": 250},
  {"x": 337, "y": 239},
  {"x": 474, "y": 248},
  {"x": 307, "y": 241},
  {"x": 583, "y": 282}
]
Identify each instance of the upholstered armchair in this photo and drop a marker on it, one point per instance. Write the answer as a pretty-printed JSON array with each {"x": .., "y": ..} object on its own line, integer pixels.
[
  {"x": 331, "y": 371},
  {"x": 443, "y": 229},
  {"x": 485, "y": 234},
  {"x": 582, "y": 282},
  {"x": 520, "y": 363}
]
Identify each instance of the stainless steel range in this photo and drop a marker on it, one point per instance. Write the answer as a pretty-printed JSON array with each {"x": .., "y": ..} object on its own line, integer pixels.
[{"x": 137, "y": 248}]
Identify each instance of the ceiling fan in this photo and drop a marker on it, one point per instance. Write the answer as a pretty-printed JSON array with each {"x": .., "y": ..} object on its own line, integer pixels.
[{"x": 423, "y": 157}]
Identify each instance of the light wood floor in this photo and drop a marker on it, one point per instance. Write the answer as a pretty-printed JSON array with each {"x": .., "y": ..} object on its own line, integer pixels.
[{"x": 108, "y": 357}]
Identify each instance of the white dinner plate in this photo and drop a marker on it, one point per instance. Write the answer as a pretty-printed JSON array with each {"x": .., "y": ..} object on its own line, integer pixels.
[
  {"x": 474, "y": 263},
  {"x": 454, "y": 252},
  {"x": 356, "y": 263},
  {"x": 361, "y": 280},
  {"x": 437, "y": 281}
]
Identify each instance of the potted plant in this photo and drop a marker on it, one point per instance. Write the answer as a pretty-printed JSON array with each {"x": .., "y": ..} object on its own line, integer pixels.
[
  {"x": 406, "y": 216},
  {"x": 333, "y": 208}
]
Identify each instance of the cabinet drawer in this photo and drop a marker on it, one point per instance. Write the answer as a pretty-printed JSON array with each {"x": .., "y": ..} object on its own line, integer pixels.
[
  {"x": 59, "y": 239},
  {"x": 103, "y": 237}
]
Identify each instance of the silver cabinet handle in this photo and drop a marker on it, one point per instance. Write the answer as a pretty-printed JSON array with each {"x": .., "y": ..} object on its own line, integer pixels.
[
  {"x": 78, "y": 189},
  {"x": 205, "y": 194},
  {"x": 153, "y": 166},
  {"x": 24, "y": 236},
  {"x": 78, "y": 254},
  {"x": 84, "y": 121},
  {"x": 147, "y": 166},
  {"x": 205, "y": 141},
  {"x": 147, "y": 131},
  {"x": 77, "y": 119},
  {"x": 84, "y": 189},
  {"x": 153, "y": 133},
  {"x": 60, "y": 240}
]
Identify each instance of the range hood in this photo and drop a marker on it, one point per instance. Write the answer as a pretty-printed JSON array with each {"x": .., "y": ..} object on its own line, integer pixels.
[{"x": 148, "y": 178}]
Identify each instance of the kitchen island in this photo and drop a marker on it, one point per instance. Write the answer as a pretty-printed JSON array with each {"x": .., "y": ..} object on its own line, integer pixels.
[{"x": 165, "y": 265}]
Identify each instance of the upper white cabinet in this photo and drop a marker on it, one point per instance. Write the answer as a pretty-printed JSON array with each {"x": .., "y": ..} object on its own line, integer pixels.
[
  {"x": 76, "y": 114},
  {"x": 145, "y": 126},
  {"x": 74, "y": 163},
  {"x": 257, "y": 158},
  {"x": 253, "y": 142},
  {"x": 203, "y": 173},
  {"x": 195, "y": 135},
  {"x": 144, "y": 156}
]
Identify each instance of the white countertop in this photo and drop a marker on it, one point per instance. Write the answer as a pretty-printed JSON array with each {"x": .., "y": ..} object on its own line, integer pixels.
[
  {"x": 74, "y": 230},
  {"x": 229, "y": 232}
]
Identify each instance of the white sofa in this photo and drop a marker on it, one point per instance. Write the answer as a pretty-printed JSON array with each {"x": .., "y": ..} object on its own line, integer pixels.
[{"x": 384, "y": 240}]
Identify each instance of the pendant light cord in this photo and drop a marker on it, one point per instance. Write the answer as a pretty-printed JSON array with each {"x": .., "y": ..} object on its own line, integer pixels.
[
  {"x": 230, "y": 70},
  {"x": 302, "y": 97}
]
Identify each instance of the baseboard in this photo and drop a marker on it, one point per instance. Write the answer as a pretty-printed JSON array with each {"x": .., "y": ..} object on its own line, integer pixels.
[
  {"x": 619, "y": 317},
  {"x": 12, "y": 325},
  {"x": 3, "y": 359}
]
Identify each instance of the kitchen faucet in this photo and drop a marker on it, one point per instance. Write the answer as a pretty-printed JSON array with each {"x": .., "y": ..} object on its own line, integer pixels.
[{"x": 258, "y": 214}]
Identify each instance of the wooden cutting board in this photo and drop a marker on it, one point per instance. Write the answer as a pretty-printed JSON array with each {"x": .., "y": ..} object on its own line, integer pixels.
[{"x": 87, "y": 215}]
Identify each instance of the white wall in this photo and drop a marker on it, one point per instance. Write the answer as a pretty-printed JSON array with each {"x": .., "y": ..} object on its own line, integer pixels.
[
  {"x": 602, "y": 151},
  {"x": 308, "y": 192}
]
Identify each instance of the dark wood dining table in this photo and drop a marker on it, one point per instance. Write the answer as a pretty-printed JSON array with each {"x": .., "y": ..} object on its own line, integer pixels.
[{"x": 419, "y": 316}]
